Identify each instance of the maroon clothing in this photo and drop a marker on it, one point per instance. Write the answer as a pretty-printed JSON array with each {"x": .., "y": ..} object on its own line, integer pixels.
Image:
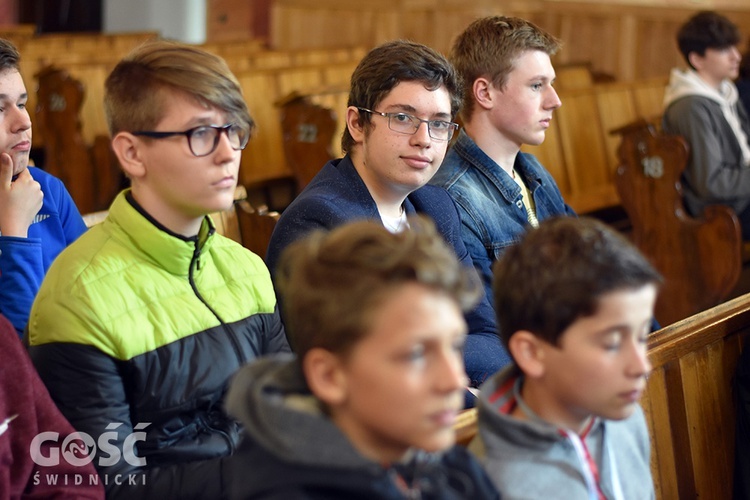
[{"x": 23, "y": 395}]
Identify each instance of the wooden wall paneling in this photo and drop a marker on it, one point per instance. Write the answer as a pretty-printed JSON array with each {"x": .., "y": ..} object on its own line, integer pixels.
[
  {"x": 550, "y": 154},
  {"x": 263, "y": 157},
  {"x": 649, "y": 97},
  {"x": 616, "y": 109},
  {"x": 295, "y": 26},
  {"x": 655, "y": 47},
  {"x": 229, "y": 20},
  {"x": 585, "y": 155}
]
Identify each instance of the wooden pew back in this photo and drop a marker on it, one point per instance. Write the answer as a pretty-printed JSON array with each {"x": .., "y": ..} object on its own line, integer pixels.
[
  {"x": 88, "y": 168},
  {"x": 627, "y": 39},
  {"x": 689, "y": 401},
  {"x": 700, "y": 258}
]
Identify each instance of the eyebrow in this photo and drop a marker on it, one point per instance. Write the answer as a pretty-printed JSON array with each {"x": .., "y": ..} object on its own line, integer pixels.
[
  {"x": 407, "y": 108},
  {"x": 6, "y": 97}
]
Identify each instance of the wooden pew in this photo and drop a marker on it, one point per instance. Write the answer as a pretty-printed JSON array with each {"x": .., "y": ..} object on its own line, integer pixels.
[
  {"x": 264, "y": 157},
  {"x": 579, "y": 150},
  {"x": 309, "y": 131},
  {"x": 700, "y": 258},
  {"x": 256, "y": 226},
  {"x": 89, "y": 171},
  {"x": 689, "y": 402}
]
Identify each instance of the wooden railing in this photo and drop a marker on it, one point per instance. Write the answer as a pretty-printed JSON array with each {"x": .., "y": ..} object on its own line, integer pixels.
[{"x": 689, "y": 401}]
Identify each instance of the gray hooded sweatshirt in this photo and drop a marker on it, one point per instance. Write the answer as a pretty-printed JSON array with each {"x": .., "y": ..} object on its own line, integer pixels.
[
  {"x": 534, "y": 460},
  {"x": 717, "y": 129},
  {"x": 292, "y": 450}
]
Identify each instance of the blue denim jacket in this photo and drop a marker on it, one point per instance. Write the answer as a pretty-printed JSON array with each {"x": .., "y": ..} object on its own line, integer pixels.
[{"x": 490, "y": 203}]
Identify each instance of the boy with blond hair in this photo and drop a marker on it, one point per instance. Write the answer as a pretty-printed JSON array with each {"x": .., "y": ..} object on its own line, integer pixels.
[{"x": 368, "y": 407}]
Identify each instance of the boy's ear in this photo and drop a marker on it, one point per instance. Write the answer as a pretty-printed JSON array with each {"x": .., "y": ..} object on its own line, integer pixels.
[
  {"x": 528, "y": 352},
  {"x": 356, "y": 130},
  {"x": 125, "y": 146},
  {"x": 695, "y": 60},
  {"x": 482, "y": 90},
  {"x": 325, "y": 376}
]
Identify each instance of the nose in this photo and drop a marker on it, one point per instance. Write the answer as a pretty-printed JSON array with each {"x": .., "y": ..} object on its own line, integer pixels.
[
  {"x": 19, "y": 119},
  {"x": 638, "y": 362},
  {"x": 421, "y": 136},
  {"x": 451, "y": 374},
  {"x": 736, "y": 53},
  {"x": 553, "y": 100},
  {"x": 224, "y": 151}
]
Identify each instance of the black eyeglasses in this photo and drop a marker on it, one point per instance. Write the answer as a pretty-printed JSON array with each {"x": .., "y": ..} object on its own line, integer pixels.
[
  {"x": 439, "y": 130},
  {"x": 204, "y": 139}
]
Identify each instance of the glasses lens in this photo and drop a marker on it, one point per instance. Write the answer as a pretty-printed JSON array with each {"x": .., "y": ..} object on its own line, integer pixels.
[
  {"x": 401, "y": 122},
  {"x": 203, "y": 140},
  {"x": 440, "y": 130},
  {"x": 238, "y": 136}
]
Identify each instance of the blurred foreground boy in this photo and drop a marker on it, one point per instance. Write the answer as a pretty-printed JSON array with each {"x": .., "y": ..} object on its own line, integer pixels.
[
  {"x": 367, "y": 409},
  {"x": 564, "y": 422},
  {"x": 140, "y": 323}
]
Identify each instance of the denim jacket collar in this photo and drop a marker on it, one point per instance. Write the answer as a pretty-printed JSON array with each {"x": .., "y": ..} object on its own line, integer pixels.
[{"x": 473, "y": 155}]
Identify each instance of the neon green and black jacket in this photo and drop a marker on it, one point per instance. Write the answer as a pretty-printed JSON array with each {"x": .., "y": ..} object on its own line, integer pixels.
[{"x": 136, "y": 332}]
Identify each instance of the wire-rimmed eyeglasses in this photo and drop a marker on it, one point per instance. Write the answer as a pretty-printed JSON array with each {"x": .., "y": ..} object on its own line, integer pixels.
[
  {"x": 403, "y": 123},
  {"x": 204, "y": 139}
]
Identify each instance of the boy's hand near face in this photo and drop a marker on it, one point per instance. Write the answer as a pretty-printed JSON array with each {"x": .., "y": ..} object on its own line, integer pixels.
[{"x": 20, "y": 200}]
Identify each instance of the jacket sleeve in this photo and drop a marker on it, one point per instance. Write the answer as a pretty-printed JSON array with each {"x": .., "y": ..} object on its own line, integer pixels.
[
  {"x": 23, "y": 396},
  {"x": 275, "y": 336},
  {"x": 484, "y": 353},
  {"x": 21, "y": 274},
  {"x": 70, "y": 218},
  {"x": 304, "y": 215},
  {"x": 712, "y": 175},
  {"x": 22, "y": 260},
  {"x": 88, "y": 388}
]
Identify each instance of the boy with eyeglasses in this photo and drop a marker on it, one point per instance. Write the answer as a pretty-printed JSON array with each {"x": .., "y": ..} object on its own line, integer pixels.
[
  {"x": 140, "y": 324},
  {"x": 402, "y": 102}
]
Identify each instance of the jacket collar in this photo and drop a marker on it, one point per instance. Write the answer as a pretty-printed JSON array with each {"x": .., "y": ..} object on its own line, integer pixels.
[
  {"x": 159, "y": 246},
  {"x": 473, "y": 155}
]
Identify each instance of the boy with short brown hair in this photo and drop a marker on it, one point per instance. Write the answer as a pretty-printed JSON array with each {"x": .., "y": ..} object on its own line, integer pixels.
[
  {"x": 564, "y": 421},
  {"x": 367, "y": 410}
]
